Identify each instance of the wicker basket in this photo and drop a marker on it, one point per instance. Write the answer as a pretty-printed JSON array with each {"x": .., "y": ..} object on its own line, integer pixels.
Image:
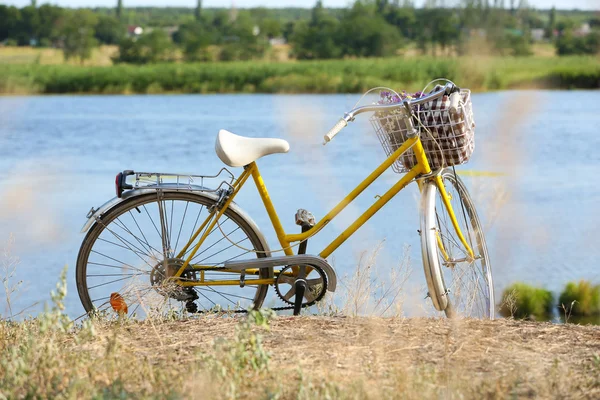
[{"x": 448, "y": 137}]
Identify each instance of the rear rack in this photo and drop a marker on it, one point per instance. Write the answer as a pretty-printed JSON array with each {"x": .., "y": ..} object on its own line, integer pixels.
[{"x": 187, "y": 182}]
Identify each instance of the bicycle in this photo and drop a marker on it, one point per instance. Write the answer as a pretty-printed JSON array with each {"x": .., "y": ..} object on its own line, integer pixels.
[{"x": 135, "y": 261}]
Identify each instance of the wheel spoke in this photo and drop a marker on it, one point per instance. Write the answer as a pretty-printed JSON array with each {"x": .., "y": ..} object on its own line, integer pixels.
[
  {"x": 126, "y": 242},
  {"x": 108, "y": 283},
  {"x": 187, "y": 203},
  {"x": 219, "y": 252},
  {"x": 142, "y": 232}
]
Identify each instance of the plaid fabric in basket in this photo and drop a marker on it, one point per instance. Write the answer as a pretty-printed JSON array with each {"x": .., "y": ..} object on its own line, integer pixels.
[{"x": 447, "y": 137}]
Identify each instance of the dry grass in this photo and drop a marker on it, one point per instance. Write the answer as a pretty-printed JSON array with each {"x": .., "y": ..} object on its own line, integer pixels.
[
  {"x": 262, "y": 356},
  {"x": 304, "y": 357},
  {"x": 101, "y": 56}
]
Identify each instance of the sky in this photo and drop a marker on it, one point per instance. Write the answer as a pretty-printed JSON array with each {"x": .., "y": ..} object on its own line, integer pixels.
[{"x": 564, "y": 4}]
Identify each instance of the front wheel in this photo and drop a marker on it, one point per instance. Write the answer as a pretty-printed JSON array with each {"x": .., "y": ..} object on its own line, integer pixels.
[{"x": 458, "y": 284}]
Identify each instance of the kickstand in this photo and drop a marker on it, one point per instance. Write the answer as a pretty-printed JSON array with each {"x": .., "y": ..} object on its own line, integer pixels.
[{"x": 300, "y": 290}]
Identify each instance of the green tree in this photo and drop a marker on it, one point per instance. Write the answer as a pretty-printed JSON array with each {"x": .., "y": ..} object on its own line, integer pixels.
[
  {"x": 569, "y": 44},
  {"x": 28, "y": 26},
  {"x": 109, "y": 30},
  {"x": 151, "y": 47},
  {"x": 565, "y": 24},
  {"x": 364, "y": 32},
  {"x": 10, "y": 18},
  {"x": 403, "y": 17},
  {"x": 119, "y": 9},
  {"x": 270, "y": 27},
  {"x": 549, "y": 33},
  {"x": 50, "y": 19},
  {"x": 437, "y": 27},
  {"x": 240, "y": 39},
  {"x": 78, "y": 34},
  {"x": 194, "y": 38},
  {"x": 316, "y": 38},
  {"x": 198, "y": 11}
]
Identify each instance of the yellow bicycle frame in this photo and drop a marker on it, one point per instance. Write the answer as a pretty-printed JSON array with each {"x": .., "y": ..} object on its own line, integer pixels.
[{"x": 421, "y": 168}]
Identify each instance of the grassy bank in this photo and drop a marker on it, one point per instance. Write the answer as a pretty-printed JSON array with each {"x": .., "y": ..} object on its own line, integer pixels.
[
  {"x": 299, "y": 358},
  {"x": 337, "y": 76}
]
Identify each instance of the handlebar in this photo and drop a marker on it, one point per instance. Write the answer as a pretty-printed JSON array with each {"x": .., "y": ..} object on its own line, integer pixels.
[{"x": 448, "y": 89}]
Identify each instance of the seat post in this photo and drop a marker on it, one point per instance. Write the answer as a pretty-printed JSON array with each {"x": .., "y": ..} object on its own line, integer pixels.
[{"x": 264, "y": 195}]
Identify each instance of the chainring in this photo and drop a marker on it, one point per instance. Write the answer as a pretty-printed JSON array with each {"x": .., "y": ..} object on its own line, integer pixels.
[{"x": 285, "y": 284}]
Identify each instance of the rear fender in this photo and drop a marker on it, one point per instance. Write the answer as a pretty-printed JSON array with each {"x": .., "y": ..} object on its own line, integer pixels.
[{"x": 95, "y": 214}]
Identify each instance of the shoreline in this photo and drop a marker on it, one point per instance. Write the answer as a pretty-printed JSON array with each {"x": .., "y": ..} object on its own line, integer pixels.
[
  {"x": 100, "y": 94},
  {"x": 352, "y": 76}
]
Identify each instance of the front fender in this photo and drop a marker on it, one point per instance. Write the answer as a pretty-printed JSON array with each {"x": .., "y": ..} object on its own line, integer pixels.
[{"x": 94, "y": 215}]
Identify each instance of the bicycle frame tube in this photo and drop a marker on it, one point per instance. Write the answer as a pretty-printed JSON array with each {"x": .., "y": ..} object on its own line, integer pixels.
[
  {"x": 285, "y": 240},
  {"x": 422, "y": 166},
  {"x": 213, "y": 221},
  {"x": 446, "y": 201}
]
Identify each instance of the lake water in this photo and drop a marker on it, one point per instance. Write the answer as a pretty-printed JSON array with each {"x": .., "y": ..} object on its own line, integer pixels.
[{"x": 533, "y": 176}]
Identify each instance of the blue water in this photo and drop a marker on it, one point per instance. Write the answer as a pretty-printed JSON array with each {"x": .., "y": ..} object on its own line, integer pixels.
[{"x": 538, "y": 195}]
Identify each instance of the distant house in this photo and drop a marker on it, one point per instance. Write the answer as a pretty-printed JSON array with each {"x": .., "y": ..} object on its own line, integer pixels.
[
  {"x": 134, "y": 31},
  {"x": 537, "y": 35},
  {"x": 583, "y": 30},
  {"x": 169, "y": 30},
  {"x": 277, "y": 41}
]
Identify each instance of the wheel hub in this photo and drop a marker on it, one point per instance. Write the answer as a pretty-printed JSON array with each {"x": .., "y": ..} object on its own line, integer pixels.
[{"x": 169, "y": 287}]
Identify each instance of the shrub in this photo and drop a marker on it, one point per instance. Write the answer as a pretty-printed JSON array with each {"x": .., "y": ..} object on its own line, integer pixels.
[
  {"x": 569, "y": 44},
  {"x": 580, "y": 298},
  {"x": 524, "y": 301}
]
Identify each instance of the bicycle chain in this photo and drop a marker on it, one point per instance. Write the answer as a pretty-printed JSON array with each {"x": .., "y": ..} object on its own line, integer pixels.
[
  {"x": 283, "y": 308},
  {"x": 243, "y": 311}
]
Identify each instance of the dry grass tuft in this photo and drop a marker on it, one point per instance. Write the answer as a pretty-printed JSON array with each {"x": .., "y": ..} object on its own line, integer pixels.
[{"x": 370, "y": 290}]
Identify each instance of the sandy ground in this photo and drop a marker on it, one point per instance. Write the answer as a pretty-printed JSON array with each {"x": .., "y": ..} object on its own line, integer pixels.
[{"x": 428, "y": 357}]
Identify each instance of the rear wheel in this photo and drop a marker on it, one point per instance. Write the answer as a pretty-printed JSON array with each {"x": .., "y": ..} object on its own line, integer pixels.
[
  {"x": 458, "y": 284},
  {"x": 127, "y": 254}
]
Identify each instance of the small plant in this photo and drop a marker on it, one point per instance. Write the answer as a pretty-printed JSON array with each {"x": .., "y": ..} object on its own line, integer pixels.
[
  {"x": 368, "y": 292},
  {"x": 580, "y": 299},
  {"x": 524, "y": 301},
  {"x": 243, "y": 357},
  {"x": 8, "y": 269}
]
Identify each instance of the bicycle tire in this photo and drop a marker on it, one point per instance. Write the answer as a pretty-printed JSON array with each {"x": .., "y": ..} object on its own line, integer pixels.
[
  {"x": 457, "y": 288},
  {"x": 112, "y": 225}
]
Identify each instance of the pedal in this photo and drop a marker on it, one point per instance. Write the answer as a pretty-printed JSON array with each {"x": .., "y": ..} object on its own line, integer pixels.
[{"x": 305, "y": 218}]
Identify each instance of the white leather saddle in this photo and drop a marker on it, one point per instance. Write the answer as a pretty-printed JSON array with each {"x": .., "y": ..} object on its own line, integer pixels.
[{"x": 238, "y": 151}]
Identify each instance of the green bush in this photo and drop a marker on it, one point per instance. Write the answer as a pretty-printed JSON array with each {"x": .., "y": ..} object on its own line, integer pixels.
[
  {"x": 580, "y": 298},
  {"x": 320, "y": 76},
  {"x": 524, "y": 301},
  {"x": 569, "y": 44}
]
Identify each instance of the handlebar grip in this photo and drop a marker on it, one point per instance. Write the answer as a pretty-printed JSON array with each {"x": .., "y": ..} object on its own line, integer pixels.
[{"x": 335, "y": 130}]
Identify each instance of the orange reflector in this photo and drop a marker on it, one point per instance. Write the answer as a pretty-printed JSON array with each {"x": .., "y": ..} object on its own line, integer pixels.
[{"x": 118, "y": 303}]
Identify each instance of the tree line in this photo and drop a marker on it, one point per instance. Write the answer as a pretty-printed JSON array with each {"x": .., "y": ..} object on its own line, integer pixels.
[{"x": 367, "y": 28}]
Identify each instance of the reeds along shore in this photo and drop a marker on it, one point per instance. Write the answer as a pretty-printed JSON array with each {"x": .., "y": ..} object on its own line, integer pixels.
[{"x": 336, "y": 76}]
